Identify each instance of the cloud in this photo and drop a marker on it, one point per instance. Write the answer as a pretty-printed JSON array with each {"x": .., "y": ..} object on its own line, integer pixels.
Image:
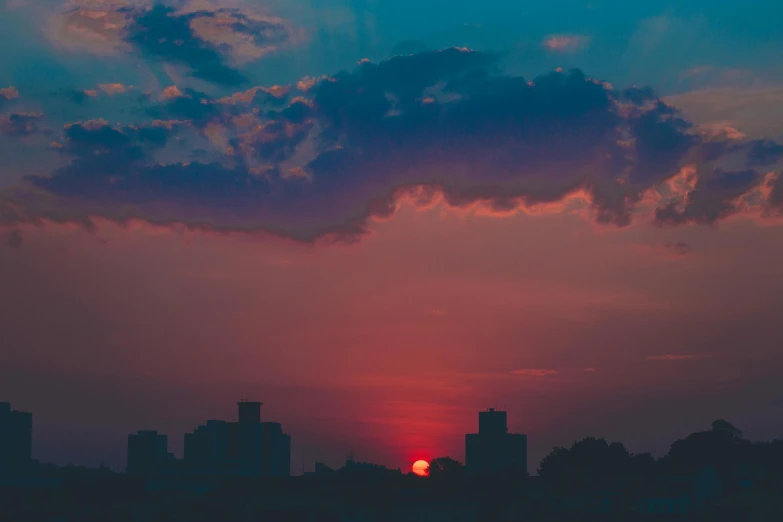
[
  {"x": 210, "y": 40},
  {"x": 9, "y": 93},
  {"x": 97, "y": 26},
  {"x": 113, "y": 88},
  {"x": 709, "y": 77},
  {"x": 264, "y": 94},
  {"x": 446, "y": 126},
  {"x": 721, "y": 130},
  {"x": 307, "y": 83},
  {"x": 189, "y": 104},
  {"x": 244, "y": 35},
  {"x": 755, "y": 112},
  {"x": 764, "y": 153},
  {"x": 19, "y": 123},
  {"x": 80, "y": 96},
  {"x": 671, "y": 357},
  {"x": 171, "y": 92},
  {"x": 162, "y": 34},
  {"x": 565, "y": 43},
  {"x": 775, "y": 198},
  {"x": 714, "y": 197},
  {"x": 534, "y": 372},
  {"x": 101, "y": 155}
]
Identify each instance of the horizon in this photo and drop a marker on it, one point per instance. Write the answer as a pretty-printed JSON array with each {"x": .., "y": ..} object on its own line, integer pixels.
[{"x": 352, "y": 457}]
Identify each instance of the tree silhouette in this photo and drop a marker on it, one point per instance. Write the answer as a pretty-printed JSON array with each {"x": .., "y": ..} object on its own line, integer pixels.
[
  {"x": 591, "y": 457},
  {"x": 721, "y": 448},
  {"x": 725, "y": 426},
  {"x": 445, "y": 467}
]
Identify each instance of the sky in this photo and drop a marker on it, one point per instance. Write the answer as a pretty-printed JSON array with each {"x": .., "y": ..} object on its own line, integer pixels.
[{"x": 381, "y": 217}]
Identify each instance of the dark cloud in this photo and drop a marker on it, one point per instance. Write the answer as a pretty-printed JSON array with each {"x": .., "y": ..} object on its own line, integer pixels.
[
  {"x": 776, "y": 194},
  {"x": 211, "y": 41},
  {"x": 298, "y": 112},
  {"x": 161, "y": 33},
  {"x": 713, "y": 198},
  {"x": 447, "y": 122},
  {"x": 661, "y": 142},
  {"x": 19, "y": 123},
  {"x": 101, "y": 156},
  {"x": 492, "y": 137},
  {"x": 763, "y": 153},
  {"x": 190, "y": 105},
  {"x": 79, "y": 96},
  {"x": 275, "y": 141},
  {"x": 639, "y": 95}
]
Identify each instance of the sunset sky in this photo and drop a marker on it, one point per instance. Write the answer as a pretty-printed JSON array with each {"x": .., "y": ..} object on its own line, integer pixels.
[{"x": 379, "y": 217}]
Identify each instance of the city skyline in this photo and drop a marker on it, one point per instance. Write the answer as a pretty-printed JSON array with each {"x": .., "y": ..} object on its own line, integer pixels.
[
  {"x": 713, "y": 474},
  {"x": 247, "y": 448},
  {"x": 382, "y": 216},
  {"x": 250, "y": 448}
]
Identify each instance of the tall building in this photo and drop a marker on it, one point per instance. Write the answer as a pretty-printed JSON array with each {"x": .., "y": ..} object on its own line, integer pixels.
[
  {"x": 247, "y": 447},
  {"x": 16, "y": 440},
  {"x": 208, "y": 444},
  {"x": 148, "y": 452},
  {"x": 493, "y": 449},
  {"x": 249, "y": 412},
  {"x": 275, "y": 450}
]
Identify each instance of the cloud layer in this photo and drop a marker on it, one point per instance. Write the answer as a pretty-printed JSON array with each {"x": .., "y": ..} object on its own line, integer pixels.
[
  {"x": 325, "y": 157},
  {"x": 210, "y": 40}
]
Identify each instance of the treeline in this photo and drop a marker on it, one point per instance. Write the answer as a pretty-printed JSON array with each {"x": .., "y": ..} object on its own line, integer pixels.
[{"x": 721, "y": 448}]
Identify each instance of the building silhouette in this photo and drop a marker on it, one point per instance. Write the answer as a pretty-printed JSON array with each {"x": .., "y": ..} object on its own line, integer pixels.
[
  {"x": 148, "y": 453},
  {"x": 16, "y": 439},
  {"x": 493, "y": 449},
  {"x": 249, "y": 412},
  {"x": 247, "y": 447}
]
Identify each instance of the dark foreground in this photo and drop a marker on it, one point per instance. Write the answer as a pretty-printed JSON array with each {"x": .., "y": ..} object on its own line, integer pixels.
[{"x": 359, "y": 498}]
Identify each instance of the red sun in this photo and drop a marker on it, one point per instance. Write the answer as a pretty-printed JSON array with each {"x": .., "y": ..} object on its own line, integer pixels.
[{"x": 420, "y": 467}]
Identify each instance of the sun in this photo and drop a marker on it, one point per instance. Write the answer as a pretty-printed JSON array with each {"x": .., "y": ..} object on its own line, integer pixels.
[{"x": 420, "y": 467}]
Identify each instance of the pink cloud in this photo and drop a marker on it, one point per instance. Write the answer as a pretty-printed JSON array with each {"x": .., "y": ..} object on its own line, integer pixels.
[
  {"x": 721, "y": 130},
  {"x": 113, "y": 88},
  {"x": 276, "y": 91},
  {"x": 564, "y": 43},
  {"x": 307, "y": 83},
  {"x": 9, "y": 93},
  {"x": 171, "y": 92}
]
